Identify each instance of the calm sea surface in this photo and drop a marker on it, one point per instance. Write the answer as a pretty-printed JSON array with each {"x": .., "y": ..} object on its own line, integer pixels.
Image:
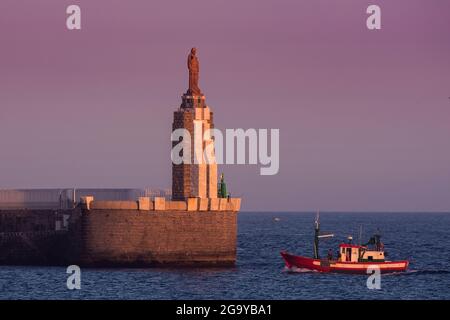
[{"x": 259, "y": 274}]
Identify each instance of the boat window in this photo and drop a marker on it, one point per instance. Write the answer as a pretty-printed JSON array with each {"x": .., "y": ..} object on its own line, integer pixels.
[
  {"x": 349, "y": 254},
  {"x": 370, "y": 258}
]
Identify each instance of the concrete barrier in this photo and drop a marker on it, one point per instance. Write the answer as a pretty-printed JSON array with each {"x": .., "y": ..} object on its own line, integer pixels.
[
  {"x": 145, "y": 203},
  {"x": 176, "y": 205},
  {"x": 160, "y": 203},
  {"x": 192, "y": 204},
  {"x": 214, "y": 204},
  {"x": 223, "y": 204},
  {"x": 114, "y": 205},
  {"x": 234, "y": 204},
  {"x": 203, "y": 204}
]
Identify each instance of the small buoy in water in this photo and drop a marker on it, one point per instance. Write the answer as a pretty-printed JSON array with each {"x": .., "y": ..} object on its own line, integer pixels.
[{"x": 276, "y": 219}]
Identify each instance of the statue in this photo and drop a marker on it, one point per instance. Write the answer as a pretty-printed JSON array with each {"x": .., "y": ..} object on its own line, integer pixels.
[{"x": 194, "y": 69}]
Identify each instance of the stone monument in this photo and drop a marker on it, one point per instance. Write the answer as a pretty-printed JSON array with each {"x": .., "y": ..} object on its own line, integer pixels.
[{"x": 195, "y": 180}]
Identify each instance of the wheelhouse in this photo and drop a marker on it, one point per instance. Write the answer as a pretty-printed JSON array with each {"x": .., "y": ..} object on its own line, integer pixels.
[{"x": 356, "y": 253}]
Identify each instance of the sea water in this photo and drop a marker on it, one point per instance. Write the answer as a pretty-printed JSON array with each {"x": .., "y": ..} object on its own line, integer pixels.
[{"x": 423, "y": 238}]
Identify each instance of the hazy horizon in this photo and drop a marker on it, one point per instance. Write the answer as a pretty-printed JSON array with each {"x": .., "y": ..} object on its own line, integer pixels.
[{"x": 363, "y": 115}]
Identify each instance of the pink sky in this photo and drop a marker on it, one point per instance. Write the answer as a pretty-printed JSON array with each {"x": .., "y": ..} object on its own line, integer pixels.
[{"x": 364, "y": 116}]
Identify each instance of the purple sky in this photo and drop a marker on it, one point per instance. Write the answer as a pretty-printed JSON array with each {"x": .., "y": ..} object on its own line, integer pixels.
[{"x": 364, "y": 116}]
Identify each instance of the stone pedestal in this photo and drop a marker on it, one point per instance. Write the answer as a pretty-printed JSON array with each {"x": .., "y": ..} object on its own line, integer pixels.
[{"x": 197, "y": 179}]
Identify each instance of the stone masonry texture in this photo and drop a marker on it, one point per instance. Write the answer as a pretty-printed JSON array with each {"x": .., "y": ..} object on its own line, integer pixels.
[{"x": 152, "y": 238}]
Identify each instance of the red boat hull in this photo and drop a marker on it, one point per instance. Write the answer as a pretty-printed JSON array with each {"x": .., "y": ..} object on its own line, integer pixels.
[{"x": 341, "y": 267}]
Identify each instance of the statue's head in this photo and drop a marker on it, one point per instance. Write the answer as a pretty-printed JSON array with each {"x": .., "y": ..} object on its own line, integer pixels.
[{"x": 193, "y": 51}]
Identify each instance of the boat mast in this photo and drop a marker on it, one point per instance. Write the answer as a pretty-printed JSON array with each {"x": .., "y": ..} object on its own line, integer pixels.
[{"x": 316, "y": 236}]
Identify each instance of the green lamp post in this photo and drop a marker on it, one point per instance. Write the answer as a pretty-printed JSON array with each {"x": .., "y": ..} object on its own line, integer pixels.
[{"x": 222, "y": 189}]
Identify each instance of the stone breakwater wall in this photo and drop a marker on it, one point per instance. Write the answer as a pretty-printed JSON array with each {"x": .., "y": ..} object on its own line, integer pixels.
[
  {"x": 155, "y": 233},
  {"x": 139, "y": 233},
  {"x": 33, "y": 248},
  {"x": 32, "y": 236},
  {"x": 28, "y": 220}
]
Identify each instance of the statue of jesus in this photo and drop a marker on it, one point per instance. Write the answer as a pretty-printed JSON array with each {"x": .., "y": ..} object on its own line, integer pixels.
[{"x": 194, "y": 69}]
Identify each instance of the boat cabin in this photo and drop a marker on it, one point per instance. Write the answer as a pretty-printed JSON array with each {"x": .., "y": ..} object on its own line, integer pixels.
[{"x": 356, "y": 253}]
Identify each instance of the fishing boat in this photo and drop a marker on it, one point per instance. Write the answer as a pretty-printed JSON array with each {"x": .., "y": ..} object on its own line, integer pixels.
[{"x": 351, "y": 258}]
